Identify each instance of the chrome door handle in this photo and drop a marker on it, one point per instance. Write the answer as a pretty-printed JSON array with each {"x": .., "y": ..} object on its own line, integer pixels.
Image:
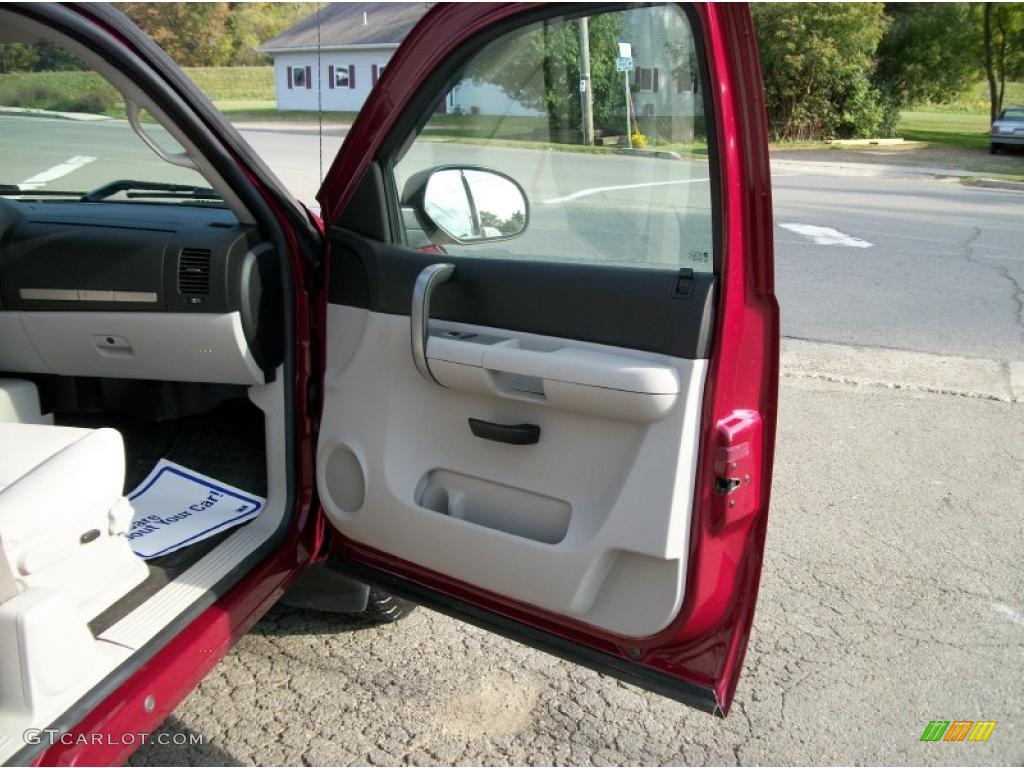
[{"x": 428, "y": 280}]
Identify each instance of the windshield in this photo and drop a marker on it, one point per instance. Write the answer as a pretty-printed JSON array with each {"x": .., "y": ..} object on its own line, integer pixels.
[
  {"x": 1016, "y": 114},
  {"x": 64, "y": 134}
]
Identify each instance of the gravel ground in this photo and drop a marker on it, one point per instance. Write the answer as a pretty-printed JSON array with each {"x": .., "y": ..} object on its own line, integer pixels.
[{"x": 892, "y": 595}]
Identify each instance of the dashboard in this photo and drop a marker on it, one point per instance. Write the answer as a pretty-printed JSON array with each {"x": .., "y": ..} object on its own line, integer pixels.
[{"x": 135, "y": 290}]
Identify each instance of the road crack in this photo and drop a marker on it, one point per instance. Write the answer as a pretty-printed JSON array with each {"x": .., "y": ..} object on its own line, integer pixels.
[{"x": 1017, "y": 290}]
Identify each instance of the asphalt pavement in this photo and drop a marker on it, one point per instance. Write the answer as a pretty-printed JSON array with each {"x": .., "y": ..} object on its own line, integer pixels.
[
  {"x": 892, "y": 587},
  {"x": 891, "y": 596}
]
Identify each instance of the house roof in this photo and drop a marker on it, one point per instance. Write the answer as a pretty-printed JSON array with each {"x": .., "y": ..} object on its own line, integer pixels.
[{"x": 341, "y": 26}]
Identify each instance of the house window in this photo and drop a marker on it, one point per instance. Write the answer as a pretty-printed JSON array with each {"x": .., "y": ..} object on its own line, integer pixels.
[
  {"x": 646, "y": 79},
  {"x": 298, "y": 76},
  {"x": 686, "y": 77},
  {"x": 341, "y": 78}
]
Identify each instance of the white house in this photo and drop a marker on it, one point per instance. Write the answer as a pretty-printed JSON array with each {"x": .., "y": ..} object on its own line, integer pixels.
[
  {"x": 335, "y": 67},
  {"x": 665, "y": 80}
]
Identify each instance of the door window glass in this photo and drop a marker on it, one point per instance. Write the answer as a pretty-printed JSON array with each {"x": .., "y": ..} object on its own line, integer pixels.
[
  {"x": 65, "y": 134},
  {"x": 635, "y": 190}
]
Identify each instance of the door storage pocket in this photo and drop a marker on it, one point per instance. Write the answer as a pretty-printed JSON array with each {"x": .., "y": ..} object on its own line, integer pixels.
[{"x": 493, "y": 505}]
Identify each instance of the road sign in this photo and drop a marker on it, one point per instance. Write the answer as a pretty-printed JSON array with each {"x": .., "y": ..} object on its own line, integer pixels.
[{"x": 624, "y": 64}]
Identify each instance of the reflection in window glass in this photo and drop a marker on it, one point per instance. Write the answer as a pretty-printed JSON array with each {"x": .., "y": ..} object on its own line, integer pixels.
[{"x": 636, "y": 191}]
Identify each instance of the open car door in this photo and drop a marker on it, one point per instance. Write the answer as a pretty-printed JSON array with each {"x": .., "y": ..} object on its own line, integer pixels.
[{"x": 551, "y": 369}]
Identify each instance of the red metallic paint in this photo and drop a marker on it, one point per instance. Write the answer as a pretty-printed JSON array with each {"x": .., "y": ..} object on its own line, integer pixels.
[
  {"x": 176, "y": 669},
  {"x": 706, "y": 643}
]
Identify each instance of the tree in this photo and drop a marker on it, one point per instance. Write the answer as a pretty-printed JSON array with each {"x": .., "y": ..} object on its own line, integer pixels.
[
  {"x": 1003, "y": 45},
  {"x": 193, "y": 34},
  {"x": 36, "y": 57},
  {"x": 18, "y": 57},
  {"x": 817, "y": 60},
  {"x": 215, "y": 34},
  {"x": 928, "y": 53},
  {"x": 252, "y": 24},
  {"x": 540, "y": 68}
]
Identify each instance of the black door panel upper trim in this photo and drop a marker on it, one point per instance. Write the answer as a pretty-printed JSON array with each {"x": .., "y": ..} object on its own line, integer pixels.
[{"x": 618, "y": 306}]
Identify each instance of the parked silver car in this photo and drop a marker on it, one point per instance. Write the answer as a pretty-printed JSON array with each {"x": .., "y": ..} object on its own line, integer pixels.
[{"x": 1007, "y": 130}]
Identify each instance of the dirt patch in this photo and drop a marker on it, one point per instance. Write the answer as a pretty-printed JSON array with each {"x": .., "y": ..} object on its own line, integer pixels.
[{"x": 497, "y": 706}]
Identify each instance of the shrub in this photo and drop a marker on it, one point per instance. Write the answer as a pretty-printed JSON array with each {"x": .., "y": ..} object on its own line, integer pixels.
[
  {"x": 817, "y": 60},
  {"x": 59, "y": 92}
]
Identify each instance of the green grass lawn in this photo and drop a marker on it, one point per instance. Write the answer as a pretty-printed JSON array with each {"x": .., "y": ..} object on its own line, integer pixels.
[
  {"x": 964, "y": 130},
  {"x": 976, "y": 99},
  {"x": 962, "y": 122},
  {"x": 234, "y": 83},
  {"x": 87, "y": 92},
  {"x": 264, "y": 110}
]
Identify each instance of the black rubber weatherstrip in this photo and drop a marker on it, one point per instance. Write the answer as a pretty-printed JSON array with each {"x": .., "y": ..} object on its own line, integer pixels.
[{"x": 690, "y": 694}]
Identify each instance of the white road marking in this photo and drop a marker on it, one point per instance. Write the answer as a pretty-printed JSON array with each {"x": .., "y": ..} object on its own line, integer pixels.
[
  {"x": 826, "y": 235},
  {"x": 52, "y": 174},
  {"x": 599, "y": 190},
  {"x": 1009, "y": 613}
]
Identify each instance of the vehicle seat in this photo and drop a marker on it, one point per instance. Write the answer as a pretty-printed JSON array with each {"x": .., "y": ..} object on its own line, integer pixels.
[
  {"x": 63, "y": 516},
  {"x": 19, "y": 401}
]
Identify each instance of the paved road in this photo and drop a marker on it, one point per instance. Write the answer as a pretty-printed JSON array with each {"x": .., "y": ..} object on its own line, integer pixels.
[
  {"x": 944, "y": 271},
  {"x": 892, "y": 584},
  {"x": 891, "y": 596}
]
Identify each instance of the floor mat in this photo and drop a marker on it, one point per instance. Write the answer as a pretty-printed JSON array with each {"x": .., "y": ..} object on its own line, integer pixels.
[
  {"x": 229, "y": 450},
  {"x": 176, "y": 506}
]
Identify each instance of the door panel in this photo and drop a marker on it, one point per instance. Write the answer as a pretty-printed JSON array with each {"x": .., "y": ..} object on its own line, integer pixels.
[
  {"x": 586, "y": 464},
  {"x": 589, "y": 522}
]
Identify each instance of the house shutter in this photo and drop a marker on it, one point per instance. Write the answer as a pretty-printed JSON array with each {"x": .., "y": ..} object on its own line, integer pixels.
[
  {"x": 289, "y": 70},
  {"x": 351, "y": 75},
  {"x": 374, "y": 74},
  {"x": 309, "y": 78},
  {"x": 330, "y": 76},
  {"x": 654, "y": 85}
]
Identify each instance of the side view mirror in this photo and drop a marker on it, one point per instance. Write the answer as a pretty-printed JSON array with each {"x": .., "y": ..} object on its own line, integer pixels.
[{"x": 467, "y": 204}]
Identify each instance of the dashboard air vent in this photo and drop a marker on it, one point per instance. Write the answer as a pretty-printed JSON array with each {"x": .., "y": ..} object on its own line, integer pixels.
[{"x": 194, "y": 271}]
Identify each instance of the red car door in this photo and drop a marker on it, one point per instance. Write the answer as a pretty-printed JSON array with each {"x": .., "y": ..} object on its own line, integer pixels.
[
  {"x": 551, "y": 369},
  {"x": 550, "y": 345}
]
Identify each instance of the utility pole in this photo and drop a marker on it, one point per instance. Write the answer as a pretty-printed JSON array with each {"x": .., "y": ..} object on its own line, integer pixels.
[
  {"x": 625, "y": 65},
  {"x": 629, "y": 107},
  {"x": 586, "y": 89}
]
